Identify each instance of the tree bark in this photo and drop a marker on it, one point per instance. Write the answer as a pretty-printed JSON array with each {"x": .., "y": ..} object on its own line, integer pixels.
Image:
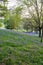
[
  {"x": 42, "y": 29},
  {"x": 39, "y": 31},
  {"x": 42, "y": 32}
]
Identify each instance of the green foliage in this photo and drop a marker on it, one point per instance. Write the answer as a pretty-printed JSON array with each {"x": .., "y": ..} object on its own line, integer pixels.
[
  {"x": 5, "y": 0},
  {"x": 28, "y": 24},
  {"x": 14, "y": 19},
  {"x": 18, "y": 10},
  {"x": 10, "y": 24},
  {"x": 3, "y": 8},
  {"x": 9, "y": 61},
  {"x": 0, "y": 24},
  {"x": 13, "y": 22}
]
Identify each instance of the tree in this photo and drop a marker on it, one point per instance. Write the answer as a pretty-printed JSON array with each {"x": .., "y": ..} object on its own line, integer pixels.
[
  {"x": 3, "y": 9},
  {"x": 35, "y": 9},
  {"x": 28, "y": 24},
  {"x": 14, "y": 19}
]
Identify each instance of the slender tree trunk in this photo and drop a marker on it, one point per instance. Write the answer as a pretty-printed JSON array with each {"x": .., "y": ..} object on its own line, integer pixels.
[
  {"x": 42, "y": 32},
  {"x": 39, "y": 32},
  {"x": 42, "y": 29}
]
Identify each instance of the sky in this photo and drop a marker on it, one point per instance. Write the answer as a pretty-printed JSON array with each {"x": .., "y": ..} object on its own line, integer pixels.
[{"x": 11, "y": 3}]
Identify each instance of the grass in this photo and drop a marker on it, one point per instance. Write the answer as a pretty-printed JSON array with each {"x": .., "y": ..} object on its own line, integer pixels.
[{"x": 20, "y": 49}]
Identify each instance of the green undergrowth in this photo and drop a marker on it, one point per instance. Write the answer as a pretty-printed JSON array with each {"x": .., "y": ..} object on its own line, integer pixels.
[{"x": 20, "y": 49}]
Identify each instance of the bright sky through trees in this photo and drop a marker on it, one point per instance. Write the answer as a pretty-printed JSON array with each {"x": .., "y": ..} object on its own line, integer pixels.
[{"x": 11, "y": 3}]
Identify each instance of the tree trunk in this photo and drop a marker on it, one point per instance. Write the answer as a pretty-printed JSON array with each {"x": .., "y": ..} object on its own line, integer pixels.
[
  {"x": 42, "y": 29},
  {"x": 42, "y": 32},
  {"x": 39, "y": 32}
]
